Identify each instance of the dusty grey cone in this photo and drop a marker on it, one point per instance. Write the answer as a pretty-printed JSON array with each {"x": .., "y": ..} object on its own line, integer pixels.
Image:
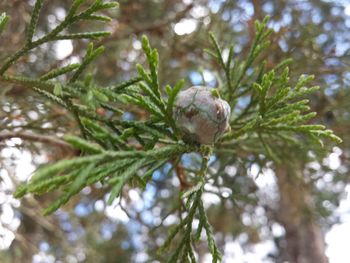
[{"x": 201, "y": 116}]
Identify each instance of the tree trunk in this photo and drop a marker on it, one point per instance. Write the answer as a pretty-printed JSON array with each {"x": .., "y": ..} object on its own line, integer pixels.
[{"x": 304, "y": 240}]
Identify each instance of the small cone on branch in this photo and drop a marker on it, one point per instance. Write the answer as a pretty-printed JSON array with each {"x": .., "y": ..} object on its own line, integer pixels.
[{"x": 201, "y": 115}]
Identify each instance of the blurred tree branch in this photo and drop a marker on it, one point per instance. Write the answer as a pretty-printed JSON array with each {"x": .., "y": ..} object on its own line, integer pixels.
[{"x": 36, "y": 138}]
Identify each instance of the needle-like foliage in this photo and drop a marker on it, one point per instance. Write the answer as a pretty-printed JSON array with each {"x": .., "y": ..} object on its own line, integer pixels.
[{"x": 115, "y": 151}]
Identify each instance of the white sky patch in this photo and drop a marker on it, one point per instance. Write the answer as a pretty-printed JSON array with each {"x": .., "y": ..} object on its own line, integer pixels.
[
  {"x": 225, "y": 53},
  {"x": 199, "y": 11},
  {"x": 141, "y": 257},
  {"x": 343, "y": 209},
  {"x": 60, "y": 13},
  {"x": 7, "y": 214},
  {"x": 63, "y": 48},
  {"x": 99, "y": 205},
  {"x": 187, "y": 2},
  {"x": 134, "y": 195},
  {"x": 9, "y": 222},
  {"x": 185, "y": 26},
  {"x": 338, "y": 238},
  {"x": 254, "y": 170},
  {"x": 333, "y": 159},
  {"x": 114, "y": 211},
  {"x": 136, "y": 44},
  {"x": 263, "y": 178},
  {"x": 71, "y": 60},
  {"x": 132, "y": 55},
  {"x": 256, "y": 253},
  {"x": 208, "y": 76},
  {"x": 43, "y": 257},
  {"x": 278, "y": 230},
  {"x": 24, "y": 167},
  {"x": 170, "y": 220},
  {"x": 347, "y": 9},
  {"x": 231, "y": 170},
  {"x": 338, "y": 242},
  {"x": 6, "y": 237},
  {"x": 210, "y": 199}
]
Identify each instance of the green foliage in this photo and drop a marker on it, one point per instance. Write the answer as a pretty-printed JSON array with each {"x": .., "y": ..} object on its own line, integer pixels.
[
  {"x": 115, "y": 151},
  {"x": 276, "y": 111},
  {"x": 154, "y": 102},
  {"x": 59, "y": 71},
  {"x": 3, "y": 21},
  {"x": 72, "y": 17},
  {"x": 234, "y": 71},
  {"x": 283, "y": 110},
  {"x": 194, "y": 205},
  {"x": 91, "y": 54}
]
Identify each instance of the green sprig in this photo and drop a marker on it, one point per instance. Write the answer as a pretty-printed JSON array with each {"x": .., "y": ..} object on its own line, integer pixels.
[
  {"x": 53, "y": 35},
  {"x": 3, "y": 21}
]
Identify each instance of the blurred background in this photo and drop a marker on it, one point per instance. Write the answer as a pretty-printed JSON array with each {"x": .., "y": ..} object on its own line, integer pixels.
[{"x": 259, "y": 214}]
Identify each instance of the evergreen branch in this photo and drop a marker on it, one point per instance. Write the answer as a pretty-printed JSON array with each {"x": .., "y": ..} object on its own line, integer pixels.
[
  {"x": 226, "y": 66},
  {"x": 49, "y": 171},
  {"x": 148, "y": 175},
  {"x": 82, "y": 145},
  {"x": 274, "y": 111},
  {"x": 318, "y": 130},
  {"x": 268, "y": 149},
  {"x": 228, "y": 70},
  {"x": 3, "y": 21},
  {"x": 217, "y": 50},
  {"x": 101, "y": 134},
  {"x": 123, "y": 85},
  {"x": 49, "y": 184},
  {"x": 145, "y": 127},
  {"x": 194, "y": 204},
  {"x": 91, "y": 54},
  {"x": 152, "y": 88},
  {"x": 192, "y": 190},
  {"x": 211, "y": 241},
  {"x": 280, "y": 109},
  {"x": 188, "y": 228},
  {"x": 73, "y": 9},
  {"x": 34, "y": 20},
  {"x": 59, "y": 71},
  {"x": 51, "y": 97},
  {"x": 27, "y": 82},
  {"x": 70, "y": 19},
  {"x": 42, "y": 86},
  {"x": 303, "y": 80},
  {"x": 152, "y": 57},
  {"x": 124, "y": 178},
  {"x": 98, "y": 18},
  {"x": 172, "y": 94},
  {"x": 75, "y": 187},
  {"x": 257, "y": 47},
  {"x": 112, "y": 108},
  {"x": 248, "y": 127},
  {"x": 145, "y": 103},
  {"x": 283, "y": 64},
  {"x": 85, "y": 35},
  {"x": 279, "y": 97},
  {"x": 153, "y": 97},
  {"x": 302, "y": 92}
]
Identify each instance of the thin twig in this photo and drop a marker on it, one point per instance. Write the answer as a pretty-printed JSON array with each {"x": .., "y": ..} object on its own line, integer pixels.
[{"x": 36, "y": 138}]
